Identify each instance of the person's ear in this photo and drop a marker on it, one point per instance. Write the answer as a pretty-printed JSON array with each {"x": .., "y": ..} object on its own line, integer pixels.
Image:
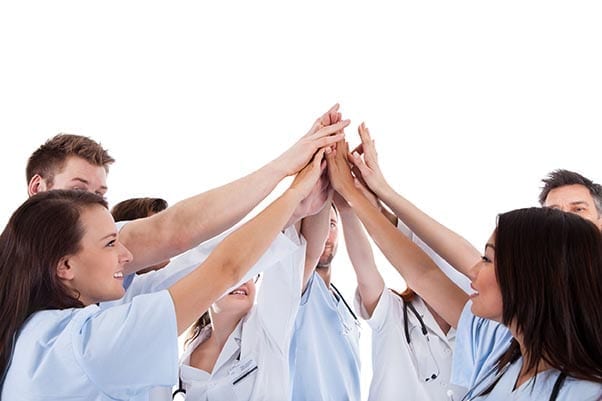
[
  {"x": 64, "y": 270},
  {"x": 36, "y": 185}
]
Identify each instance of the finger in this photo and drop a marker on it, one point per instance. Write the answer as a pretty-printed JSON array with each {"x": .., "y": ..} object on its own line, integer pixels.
[
  {"x": 364, "y": 132},
  {"x": 359, "y": 149},
  {"x": 359, "y": 163},
  {"x": 331, "y": 129},
  {"x": 329, "y": 153},
  {"x": 318, "y": 158},
  {"x": 329, "y": 140}
]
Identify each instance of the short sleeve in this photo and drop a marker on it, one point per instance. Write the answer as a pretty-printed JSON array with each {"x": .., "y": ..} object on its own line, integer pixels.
[
  {"x": 280, "y": 292},
  {"x": 381, "y": 313},
  {"x": 479, "y": 345},
  {"x": 129, "y": 348}
]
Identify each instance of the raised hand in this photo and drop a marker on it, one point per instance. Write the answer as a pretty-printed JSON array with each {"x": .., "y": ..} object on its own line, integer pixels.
[
  {"x": 339, "y": 170},
  {"x": 368, "y": 165},
  {"x": 306, "y": 180},
  {"x": 325, "y": 131}
]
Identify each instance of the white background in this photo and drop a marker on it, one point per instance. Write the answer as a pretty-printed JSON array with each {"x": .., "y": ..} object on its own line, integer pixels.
[{"x": 471, "y": 103}]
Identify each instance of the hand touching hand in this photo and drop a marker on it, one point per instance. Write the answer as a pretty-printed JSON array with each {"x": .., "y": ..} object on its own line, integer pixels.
[
  {"x": 307, "y": 179},
  {"x": 325, "y": 131}
]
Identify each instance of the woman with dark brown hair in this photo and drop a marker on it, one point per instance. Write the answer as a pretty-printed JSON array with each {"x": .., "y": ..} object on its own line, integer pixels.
[
  {"x": 60, "y": 256},
  {"x": 533, "y": 327}
]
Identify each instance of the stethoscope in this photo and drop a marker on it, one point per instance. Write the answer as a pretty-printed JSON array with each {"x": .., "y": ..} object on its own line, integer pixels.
[
  {"x": 340, "y": 296},
  {"x": 425, "y": 333},
  {"x": 472, "y": 394}
]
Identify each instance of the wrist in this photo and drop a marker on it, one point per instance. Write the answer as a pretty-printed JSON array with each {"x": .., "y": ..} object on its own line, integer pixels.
[{"x": 277, "y": 168}]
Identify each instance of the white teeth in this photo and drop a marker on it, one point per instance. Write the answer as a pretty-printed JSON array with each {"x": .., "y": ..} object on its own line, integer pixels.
[
  {"x": 238, "y": 292},
  {"x": 118, "y": 275}
]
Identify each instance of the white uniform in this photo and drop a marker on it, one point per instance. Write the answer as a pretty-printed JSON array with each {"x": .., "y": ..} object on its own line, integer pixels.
[
  {"x": 94, "y": 354},
  {"x": 418, "y": 371},
  {"x": 253, "y": 365},
  {"x": 183, "y": 264}
]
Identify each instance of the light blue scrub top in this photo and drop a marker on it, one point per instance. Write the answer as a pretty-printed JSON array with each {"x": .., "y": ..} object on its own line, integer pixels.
[
  {"x": 324, "y": 359},
  {"x": 480, "y": 343},
  {"x": 96, "y": 354}
]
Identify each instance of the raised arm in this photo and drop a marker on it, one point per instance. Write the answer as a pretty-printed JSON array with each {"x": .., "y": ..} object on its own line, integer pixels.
[
  {"x": 226, "y": 265},
  {"x": 456, "y": 250},
  {"x": 419, "y": 271},
  {"x": 196, "y": 219},
  {"x": 370, "y": 283},
  {"x": 315, "y": 231}
]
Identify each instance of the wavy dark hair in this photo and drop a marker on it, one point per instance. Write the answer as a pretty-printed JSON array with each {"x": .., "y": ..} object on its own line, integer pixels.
[
  {"x": 549, "y": 269},
  {"x": 40, "y": 232}
]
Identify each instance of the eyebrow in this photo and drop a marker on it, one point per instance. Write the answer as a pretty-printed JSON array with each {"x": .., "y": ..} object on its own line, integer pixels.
[
  {"x": 489, "y": 245},
  {"x": 112, "y": 235},
  {"x": 103, "y": 187},
  {"x": 581, "y": 202}
]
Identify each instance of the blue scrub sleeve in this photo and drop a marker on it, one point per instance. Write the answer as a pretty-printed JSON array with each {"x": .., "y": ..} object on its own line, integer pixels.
[
  {"x": 129, "y": 348},
  {"x": 479, "y": 345}
]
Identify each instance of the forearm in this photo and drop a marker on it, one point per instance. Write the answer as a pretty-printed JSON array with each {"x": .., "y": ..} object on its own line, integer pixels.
[
  {"x": 315, "y": 231},
  {"x": 458, "y": 252},
  {"x": 418, "y": 270},
  {"x": 196, "y": 219},
  {"x": 369, "y": 280},
  {"x": 228, "y": 263}
]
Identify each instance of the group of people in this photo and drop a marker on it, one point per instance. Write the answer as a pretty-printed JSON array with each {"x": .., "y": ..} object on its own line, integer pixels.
[{"x": 93, "y": 300}]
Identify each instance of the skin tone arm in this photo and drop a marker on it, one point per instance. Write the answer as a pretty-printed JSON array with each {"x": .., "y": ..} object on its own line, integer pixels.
[
  {"x": 315, "y": 231},
  {"x": 452, "y": 247},
  {"x": 196, "y": 219},
  {"x": 227, "y": 264},
  {"x": 419, "y": 271},
  {"x": 369, "y": 281}
]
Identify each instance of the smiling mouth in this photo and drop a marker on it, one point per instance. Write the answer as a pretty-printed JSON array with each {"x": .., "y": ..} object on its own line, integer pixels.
[
  {"x": 239, "y": 292},
  {"x": 118, "y": 275}
]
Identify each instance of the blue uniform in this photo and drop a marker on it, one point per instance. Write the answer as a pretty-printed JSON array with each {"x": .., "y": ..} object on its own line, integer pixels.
[
  {"x": 324, "y": 358},
  {"x": 479, "y": 344},
  {"x": 95, "y": 354}
]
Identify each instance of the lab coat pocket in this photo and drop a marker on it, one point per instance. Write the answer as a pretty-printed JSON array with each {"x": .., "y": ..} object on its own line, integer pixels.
[{"x": 243, "y": 377}]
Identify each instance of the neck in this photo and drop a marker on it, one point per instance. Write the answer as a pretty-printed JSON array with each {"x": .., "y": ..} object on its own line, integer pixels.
[
  {"x": 324, "y": 272},
  {"x": 525, "y": 373},
  {"x": 223, "y": 326}
]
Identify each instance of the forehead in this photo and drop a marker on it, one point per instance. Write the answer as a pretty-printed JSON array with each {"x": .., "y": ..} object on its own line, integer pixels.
[
  {"x": 568, "y": 194},
  {"x": 97, "y": 222},
  {"x": 77, "y": 170}
]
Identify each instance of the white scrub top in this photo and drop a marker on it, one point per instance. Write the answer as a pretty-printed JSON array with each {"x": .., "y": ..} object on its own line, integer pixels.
[
  {"x": 94, "y": 354},
  {"x": 418, "y": 371},
  {"x": 253, "y": 365},
  {"x": 325, "y": 363},
  {"x": 485, "y": 341}
]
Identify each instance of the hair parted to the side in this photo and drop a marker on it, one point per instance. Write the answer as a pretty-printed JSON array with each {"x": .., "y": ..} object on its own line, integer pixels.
[
  {"x": 549, "y": 269},
  {"x": 50, "y": 157},
  {"x": 136, "y": 208},
  {"x": 44, "y": 229},
  {"x": 197, "y": 327},
  {"x": 560, "y": 178}
]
